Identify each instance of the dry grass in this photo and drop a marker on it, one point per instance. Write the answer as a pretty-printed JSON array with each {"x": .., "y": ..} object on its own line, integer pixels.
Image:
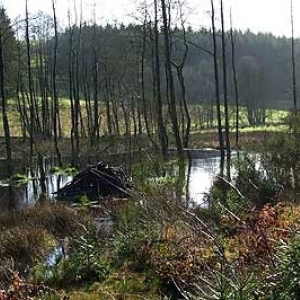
[{"x": 27, "y": 236}]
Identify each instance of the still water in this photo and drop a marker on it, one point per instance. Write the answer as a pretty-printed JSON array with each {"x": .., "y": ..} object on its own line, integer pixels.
[
  {"x": 202, "y": 174},
  {"x": 201, "y": 177}
]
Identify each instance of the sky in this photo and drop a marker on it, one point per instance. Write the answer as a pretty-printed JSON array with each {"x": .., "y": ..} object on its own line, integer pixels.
[{"x": 272, "y": 16}]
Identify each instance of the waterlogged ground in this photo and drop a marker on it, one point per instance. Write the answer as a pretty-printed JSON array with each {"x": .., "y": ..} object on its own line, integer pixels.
[{"x": 26, "y": 189}]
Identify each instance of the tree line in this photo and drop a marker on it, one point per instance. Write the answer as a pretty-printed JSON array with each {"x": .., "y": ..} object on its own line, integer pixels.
[{"x": 141, "y": 79}]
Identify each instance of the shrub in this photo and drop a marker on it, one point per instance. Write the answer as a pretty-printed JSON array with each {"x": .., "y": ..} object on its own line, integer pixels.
[
  {"x": 28, "y": 236},
  {"x": 256, "y": 183},
  {"x": 24, "y": 247},
  {"x": 280, "y": 156},
  {"x": 285, "y": 282}
]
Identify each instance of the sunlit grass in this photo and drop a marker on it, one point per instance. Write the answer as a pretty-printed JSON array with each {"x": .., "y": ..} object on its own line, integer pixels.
[
  {"x": 198, "y": 113},
  {"x": 265, "y": 128}
]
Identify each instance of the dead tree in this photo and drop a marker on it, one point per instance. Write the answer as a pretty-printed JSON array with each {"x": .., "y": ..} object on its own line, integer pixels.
[
  {"x": 162, "y": 132},
  {"x": 293, "y": 60},
  {"x": 170, "y": 80},
  {"x": 32, "y": 128},
  {"x": 225, "y": 92},
  {"x": 217, "y": 84},
  {"x": 186, "y": 120},
  {"x": 3, "y": 97},
  {"x": 235, "y": 82},
  {"x": 55, "y": 97}
]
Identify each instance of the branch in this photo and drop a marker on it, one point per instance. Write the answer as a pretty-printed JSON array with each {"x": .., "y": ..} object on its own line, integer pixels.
[{"x": 201, "y": 48}]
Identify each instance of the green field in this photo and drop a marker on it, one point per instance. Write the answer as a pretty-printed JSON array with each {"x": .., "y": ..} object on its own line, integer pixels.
[{"x": 203, "y": 118}]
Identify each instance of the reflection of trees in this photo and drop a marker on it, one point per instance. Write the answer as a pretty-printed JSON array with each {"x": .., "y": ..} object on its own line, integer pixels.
[{"x": 11, "y": 198}]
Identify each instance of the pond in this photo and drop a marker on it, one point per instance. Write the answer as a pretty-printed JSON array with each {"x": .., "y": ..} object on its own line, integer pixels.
[{"x": 203, "y": 169}]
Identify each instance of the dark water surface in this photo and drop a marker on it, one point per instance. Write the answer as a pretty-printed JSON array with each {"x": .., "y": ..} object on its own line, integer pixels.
[{"x": 203, "y": 170}]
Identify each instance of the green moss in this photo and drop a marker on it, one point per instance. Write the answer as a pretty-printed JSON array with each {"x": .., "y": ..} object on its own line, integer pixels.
[
  {"x": 18, "y": 176},
  {"x": 70, "y": 171},
  {"x": 19, "y": 179},
  {"x": 55, "y": 170},
  {"x": 65, "y": 170}
]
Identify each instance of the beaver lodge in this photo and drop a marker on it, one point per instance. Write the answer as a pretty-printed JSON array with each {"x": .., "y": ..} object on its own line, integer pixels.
[{"x": 96, "y": 182}]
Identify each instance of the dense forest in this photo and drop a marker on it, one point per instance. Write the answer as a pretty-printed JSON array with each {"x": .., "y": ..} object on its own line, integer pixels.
[
  {"x": 116, "y": 72},
  {"x": 263, "y": 61}
]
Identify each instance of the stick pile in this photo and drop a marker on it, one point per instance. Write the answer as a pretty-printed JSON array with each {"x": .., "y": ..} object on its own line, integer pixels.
[{"x": 97, "y": 181}]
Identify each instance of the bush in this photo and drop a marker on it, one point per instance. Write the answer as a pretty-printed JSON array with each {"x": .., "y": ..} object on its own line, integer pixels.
[
  {"x": 256, "y": 183},
  {"x": 28, "y": 236},
  {"x": 285, "y": 282},
  {"x": 280, "y": 156},
  {"x": 83, "y": 262},
  {"x": 24, "y": 247},
  {"x": 134, "y": 230}
]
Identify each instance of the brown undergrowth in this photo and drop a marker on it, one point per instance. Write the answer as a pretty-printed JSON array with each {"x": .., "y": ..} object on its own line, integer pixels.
[{"x": 203, "y": 139}]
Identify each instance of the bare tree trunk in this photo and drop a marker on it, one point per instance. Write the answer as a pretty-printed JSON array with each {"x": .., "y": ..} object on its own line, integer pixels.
[
  {"x": 96, "y": 130},
  {"x": 225, "y": 92},
  {"x": 47, "y": 104},
  {"x": 179, "y": 68},
  {"x": 115, "y": 116},
  {"x": 21, "y": 100},
  {"x": 145, "y": 113},
  {"x": 133, "y": 115},
  {"x": 71, "y": 95},
  {"x": 107, "y": 99},
  {"x": 126, "y": 119},
  {"x": 23, "y": 108},
  {"x": 170, "y": 79},
  {"x": 235, "y": 82},
  {"x": 55, "y": 97},
  {"x": 22, "y": 116},
  {"x": 85, "y": 83},
  {"x": 293, "y": 60},
  {"x": 71, "y": 98},
  {"x": 31, "y": 100},
  {"x": 139, "y": 77},
  {"x": 40, "y": 58},
  {"x": 76, "y": 93},
  {"x": 162, "y": 133},
  {"x": 217, "y": 84},
  {"x": 4, "y": 102}
]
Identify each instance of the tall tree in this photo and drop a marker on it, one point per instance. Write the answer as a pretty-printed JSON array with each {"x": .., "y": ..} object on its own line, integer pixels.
[
  {"x": 186, "y": 119},
  {"x": 30, "y": 83},
  {"x": 235, "y": 82},
  {"x": 71, "y": 93},
  {"x": 95, "y": 50},
  {"x": 217, "y": 83},
  {"x": 225, "y": 90},
  {"x": 143, "y": 54},
  {"x": 170, "y": 79},
  {"x": 6, "y": 35},
  {"x": 54, "y": 92},
  {"x": 293, "y": 60},
  {"x": 162, "y": 132}
]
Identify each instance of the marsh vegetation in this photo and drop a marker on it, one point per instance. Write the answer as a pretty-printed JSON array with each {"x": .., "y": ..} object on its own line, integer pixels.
[{"x": 151, "y": 97}]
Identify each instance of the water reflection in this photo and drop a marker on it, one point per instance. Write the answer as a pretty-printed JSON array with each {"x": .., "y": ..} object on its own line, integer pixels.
[
  {"x": 200, "y": 174},
  {"x": 27, "y": 192},
  {"x": 53, "y": 182}
]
